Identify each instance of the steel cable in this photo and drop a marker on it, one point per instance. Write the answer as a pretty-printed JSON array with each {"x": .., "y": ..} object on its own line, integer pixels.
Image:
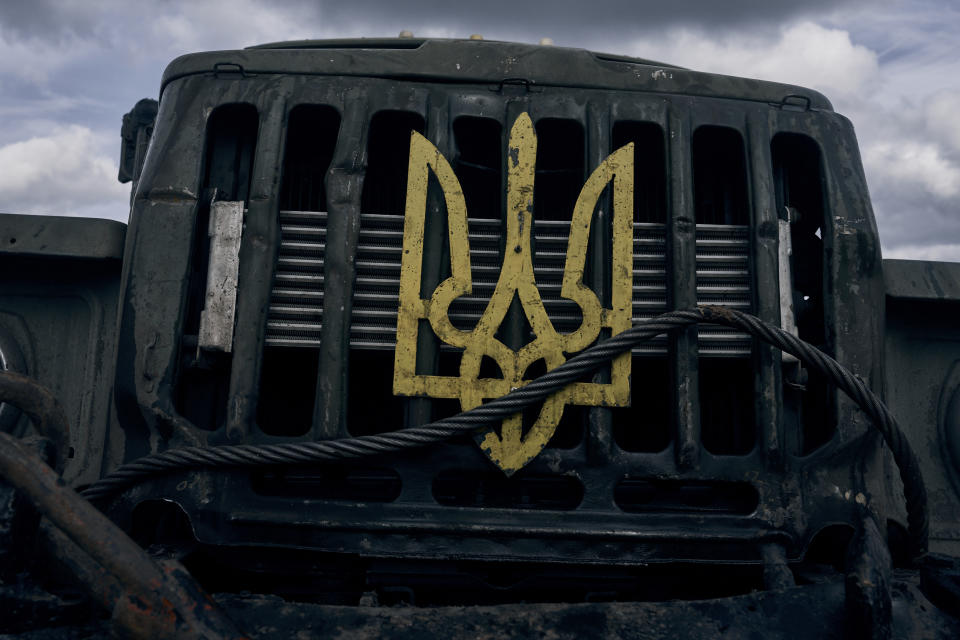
[{"x": 537, "y": 390}]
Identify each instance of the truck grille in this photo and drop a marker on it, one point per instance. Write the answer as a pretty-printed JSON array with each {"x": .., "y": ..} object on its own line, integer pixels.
[{"x": 693, "y": 470}]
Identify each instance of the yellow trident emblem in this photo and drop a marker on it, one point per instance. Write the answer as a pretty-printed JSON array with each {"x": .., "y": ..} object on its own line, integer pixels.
[{"x": 512, "y": 449}]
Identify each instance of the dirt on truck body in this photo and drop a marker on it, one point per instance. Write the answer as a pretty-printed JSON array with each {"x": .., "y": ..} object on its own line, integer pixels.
[{"x": 422, "y": 338}]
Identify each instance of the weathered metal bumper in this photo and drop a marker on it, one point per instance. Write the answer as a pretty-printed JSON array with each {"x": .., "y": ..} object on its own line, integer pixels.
[{"x": 811, "y": 611}]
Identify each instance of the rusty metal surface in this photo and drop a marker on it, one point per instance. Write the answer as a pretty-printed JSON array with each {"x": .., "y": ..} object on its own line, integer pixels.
[
  {"x": 42, "y": 407},
  {"x": 19, "y": 521},
  {"x": 154, "y": 602},
  {"x": 146, "y": 600}
]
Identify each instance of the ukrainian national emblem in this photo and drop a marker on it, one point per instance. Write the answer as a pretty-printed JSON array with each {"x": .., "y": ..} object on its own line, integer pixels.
[{"x": 511, "y": 449}]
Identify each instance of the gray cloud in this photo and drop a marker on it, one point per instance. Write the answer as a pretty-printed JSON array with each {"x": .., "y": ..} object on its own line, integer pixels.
[
  {"x": 70, "y": 68},
  {"x": 912, "y": 219},
  {"x": 50, "y": 19},
  {"x": 64, "y": 171},
  {"x": 568, "y": 21}
]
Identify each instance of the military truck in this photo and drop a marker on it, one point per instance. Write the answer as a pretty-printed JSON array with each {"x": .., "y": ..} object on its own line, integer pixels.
[{"x": 353, "y": 366}]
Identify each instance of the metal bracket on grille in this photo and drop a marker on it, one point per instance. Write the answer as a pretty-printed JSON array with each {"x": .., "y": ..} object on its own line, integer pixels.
[
  {"x": 784, "y": 253},
  {"x": 521, "y": 85},
  {"x": 795, "y": 102},
  {"x": 220, "y": 305}
]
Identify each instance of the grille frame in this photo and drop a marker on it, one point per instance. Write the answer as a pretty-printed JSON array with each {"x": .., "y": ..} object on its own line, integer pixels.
[{"x": 656, "y": 245}]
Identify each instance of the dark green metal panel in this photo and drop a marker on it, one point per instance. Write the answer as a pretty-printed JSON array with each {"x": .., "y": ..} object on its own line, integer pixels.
[
  {"x": 469, "y": 61},
  {"x": 923, "y": 381},
  {"x": 58, "y": 309},
  {"x": 61, "y": 237}
]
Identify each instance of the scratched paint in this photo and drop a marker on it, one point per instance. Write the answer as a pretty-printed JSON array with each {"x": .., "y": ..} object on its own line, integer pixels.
[{"x": 511, "y": 449}]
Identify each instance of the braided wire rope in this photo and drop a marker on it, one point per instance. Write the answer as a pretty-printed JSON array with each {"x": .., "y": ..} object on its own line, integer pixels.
[{"x": 537, "y": 390}]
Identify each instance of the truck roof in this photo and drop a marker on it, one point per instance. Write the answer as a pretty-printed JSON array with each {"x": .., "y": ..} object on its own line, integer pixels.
[{"x": 485, "y": 62}]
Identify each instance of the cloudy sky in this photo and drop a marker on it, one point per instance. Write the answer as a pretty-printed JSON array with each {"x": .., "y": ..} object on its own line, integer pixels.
[{"x": 69, "y": 70}]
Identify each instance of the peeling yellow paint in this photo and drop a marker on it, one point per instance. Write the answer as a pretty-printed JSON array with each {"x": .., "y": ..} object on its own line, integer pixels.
[{"x": 511, "y": 449}]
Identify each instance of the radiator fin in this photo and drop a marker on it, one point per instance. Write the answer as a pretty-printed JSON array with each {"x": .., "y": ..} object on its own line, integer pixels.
[{"x": 296, "y": 306}]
